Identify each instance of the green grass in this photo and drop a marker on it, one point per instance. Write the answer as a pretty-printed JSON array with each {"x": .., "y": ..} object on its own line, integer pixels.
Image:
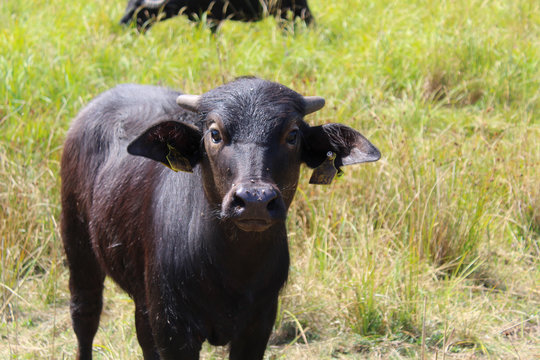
[{"x": 446, "y": 224}]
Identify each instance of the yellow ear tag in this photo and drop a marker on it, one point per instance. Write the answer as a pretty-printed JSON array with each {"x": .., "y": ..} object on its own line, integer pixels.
[
  {"x": 176, "y": 161},
  {"x": 325, "y": 173}
]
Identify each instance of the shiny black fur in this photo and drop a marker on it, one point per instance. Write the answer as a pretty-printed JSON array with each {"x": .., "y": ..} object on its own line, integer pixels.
[{"x": 198, "y": 265}]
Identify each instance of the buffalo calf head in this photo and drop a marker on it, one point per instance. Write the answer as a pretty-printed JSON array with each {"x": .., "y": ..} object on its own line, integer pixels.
[{"x": 249, "y": 141}]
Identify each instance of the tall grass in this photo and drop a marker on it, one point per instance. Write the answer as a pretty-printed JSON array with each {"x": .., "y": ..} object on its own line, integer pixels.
[{"x": 432, "y": 250}]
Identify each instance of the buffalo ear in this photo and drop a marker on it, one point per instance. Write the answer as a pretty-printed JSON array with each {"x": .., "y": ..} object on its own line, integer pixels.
[
  {"x": 174, "y": 144},
  {"x": 338, "y": 144}
]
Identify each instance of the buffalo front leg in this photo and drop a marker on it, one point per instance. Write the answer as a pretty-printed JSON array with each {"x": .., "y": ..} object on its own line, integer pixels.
[
  {"x": 86, "y": 288},
  {"x": 85, "y": 309},
  {"x": 173, "y": 339},
  {"x": 144, "y": 332},
  {"x": 85, "y": 281},
  {"x": 251, "y": 343},
  {"x": 173, "y": 346}
]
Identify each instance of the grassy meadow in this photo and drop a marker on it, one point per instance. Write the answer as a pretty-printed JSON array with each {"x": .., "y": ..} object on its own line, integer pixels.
[{"x": 432, "y": 252}]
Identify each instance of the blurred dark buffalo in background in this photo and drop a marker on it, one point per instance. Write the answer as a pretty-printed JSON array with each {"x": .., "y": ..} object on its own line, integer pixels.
[{"x": 146, "y": 12}]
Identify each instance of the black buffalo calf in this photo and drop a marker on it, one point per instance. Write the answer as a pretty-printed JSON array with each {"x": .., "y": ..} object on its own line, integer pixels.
[
  {"x": 200, "y": 244},
  {"x": 147, "y": 11}
]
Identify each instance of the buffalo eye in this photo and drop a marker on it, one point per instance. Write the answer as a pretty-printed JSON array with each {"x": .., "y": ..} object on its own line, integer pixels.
[
  {"x": 215, "y": 135},
  {"x": 292, "y": 137}
]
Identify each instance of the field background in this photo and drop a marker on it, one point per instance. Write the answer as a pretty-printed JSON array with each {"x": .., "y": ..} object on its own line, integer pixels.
[{"x": 431, "y": 252}]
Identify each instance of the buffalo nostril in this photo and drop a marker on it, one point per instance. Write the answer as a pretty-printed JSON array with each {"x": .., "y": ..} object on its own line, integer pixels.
[
  {"x": 237, "y": 202},
  {"x": 272, "y": 205}
]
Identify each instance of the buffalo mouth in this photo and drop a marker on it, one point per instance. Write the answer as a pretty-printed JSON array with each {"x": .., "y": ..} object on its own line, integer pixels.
[{"x": 253, "y": 225}]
